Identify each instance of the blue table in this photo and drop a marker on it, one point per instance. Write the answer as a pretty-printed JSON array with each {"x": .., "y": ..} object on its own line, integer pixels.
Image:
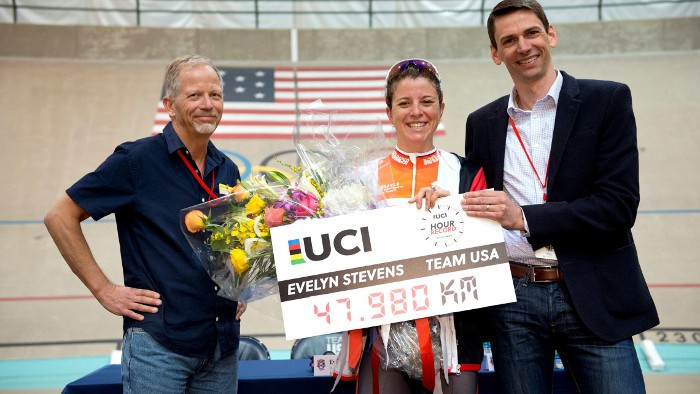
[
  {"x": 275, "y": 376},
  {"x": 259, "y": 377}
]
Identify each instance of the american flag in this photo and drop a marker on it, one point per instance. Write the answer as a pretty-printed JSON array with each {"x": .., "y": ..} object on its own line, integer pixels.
[{"x": 265, "y": 102}]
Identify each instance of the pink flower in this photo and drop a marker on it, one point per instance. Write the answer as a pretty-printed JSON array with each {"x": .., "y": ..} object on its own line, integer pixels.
[
  {"x": 274, "y": 217},
  {"x": 308, "y": 205}
]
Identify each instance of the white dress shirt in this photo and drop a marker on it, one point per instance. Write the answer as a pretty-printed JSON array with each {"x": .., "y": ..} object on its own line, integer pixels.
[{"x": 520, "y": 182}]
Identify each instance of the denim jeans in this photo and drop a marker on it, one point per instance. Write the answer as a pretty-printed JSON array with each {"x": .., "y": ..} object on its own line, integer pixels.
[
  {"x": 148, "y": 367},
  {"x": 526, "y": 333}
]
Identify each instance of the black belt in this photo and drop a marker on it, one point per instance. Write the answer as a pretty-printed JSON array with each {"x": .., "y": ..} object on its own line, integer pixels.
[{"x": 536, "y": 273}]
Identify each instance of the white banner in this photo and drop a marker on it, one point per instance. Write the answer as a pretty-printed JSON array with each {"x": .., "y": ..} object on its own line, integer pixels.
[{"x": 387, "y": 265}]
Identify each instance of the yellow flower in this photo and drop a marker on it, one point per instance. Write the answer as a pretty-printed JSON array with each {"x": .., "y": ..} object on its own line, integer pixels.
[
  {"x": 239, "y": 260},
  {"x": 264, "y": 231},
  {"x": 255, "y": 205},
  {"x": 245, "y": 230}
]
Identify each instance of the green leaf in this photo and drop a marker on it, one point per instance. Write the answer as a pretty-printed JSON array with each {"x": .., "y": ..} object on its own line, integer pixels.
[{"x": 277, "y": 176}]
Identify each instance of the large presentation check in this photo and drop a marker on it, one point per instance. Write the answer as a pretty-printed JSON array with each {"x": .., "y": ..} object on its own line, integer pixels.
[{"x": 387, "y": 265}]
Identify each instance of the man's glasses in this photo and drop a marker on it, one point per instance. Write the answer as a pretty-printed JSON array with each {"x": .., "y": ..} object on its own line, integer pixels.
[{"x": 420, "y": 64}]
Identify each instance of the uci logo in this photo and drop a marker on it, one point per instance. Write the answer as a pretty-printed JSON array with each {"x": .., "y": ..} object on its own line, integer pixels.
[{"x": 345, "y": 243}]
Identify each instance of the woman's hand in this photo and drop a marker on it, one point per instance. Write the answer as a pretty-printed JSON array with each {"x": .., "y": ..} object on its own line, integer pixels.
[{"x": 430, "y": 194}]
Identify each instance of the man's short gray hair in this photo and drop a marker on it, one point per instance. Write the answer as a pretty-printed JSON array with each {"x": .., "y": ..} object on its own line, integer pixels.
[{"x": 172, "y": 75}]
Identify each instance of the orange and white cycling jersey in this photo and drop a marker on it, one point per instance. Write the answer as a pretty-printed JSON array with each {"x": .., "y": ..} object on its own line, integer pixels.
[{"x": 401, "y": 175}]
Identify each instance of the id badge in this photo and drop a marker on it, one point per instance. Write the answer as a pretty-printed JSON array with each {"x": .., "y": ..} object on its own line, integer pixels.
[{"x": 546, "y": 252}]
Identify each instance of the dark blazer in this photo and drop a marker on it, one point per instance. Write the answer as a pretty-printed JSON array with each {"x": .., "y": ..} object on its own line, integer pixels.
[{"x": 592, "y": 200}]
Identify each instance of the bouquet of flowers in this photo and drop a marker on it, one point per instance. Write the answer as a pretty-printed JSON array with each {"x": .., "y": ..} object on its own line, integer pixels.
[{"x": 231, "y": 234}]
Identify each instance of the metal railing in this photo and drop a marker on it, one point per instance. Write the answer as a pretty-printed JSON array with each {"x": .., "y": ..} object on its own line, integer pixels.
[{"x": 257, "y": 14}]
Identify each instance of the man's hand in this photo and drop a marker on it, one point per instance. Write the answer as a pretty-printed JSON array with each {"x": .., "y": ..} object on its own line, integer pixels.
[
  {"x": 240, "y": 309},
  {"x": 127, "y": 301},
  {"x": 63, "y": 223},
  {"x": 494, "y": 205}
]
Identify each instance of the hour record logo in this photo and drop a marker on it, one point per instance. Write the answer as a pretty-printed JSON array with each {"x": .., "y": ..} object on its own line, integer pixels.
[{"x": 295, "y": 252}]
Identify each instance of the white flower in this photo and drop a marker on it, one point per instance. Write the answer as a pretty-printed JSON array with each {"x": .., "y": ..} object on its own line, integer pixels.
[
  {"x": 254, "y": 246},
  {"x": 256, "y": 224},
  {"x": 348, "y": 198},
  {"x": 305, "y": 185}
]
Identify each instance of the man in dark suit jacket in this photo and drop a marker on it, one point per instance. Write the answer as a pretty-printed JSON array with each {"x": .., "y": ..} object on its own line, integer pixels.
[{"x": 561, "y": 155}]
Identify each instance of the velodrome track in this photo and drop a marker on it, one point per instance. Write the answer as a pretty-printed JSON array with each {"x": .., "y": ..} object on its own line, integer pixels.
[{"x": 59, "y": 118}]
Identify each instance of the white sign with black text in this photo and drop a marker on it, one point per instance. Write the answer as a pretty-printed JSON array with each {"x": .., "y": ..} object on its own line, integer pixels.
[{"x": 387, "y": 265}]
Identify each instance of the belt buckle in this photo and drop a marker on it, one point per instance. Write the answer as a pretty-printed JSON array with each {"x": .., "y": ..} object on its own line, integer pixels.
[{"x": 533, "y": 273}]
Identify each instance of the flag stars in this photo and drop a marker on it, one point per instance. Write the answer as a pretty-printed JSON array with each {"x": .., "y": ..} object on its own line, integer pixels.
[
  {"x": 259, "y": 84},
  {"x": 250, "y": 85}
]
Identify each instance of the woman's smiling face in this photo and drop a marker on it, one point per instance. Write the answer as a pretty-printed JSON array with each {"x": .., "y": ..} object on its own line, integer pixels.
[{"x": 415, "y": 113}]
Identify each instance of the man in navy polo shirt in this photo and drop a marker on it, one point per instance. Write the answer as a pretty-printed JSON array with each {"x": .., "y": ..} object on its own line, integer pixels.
[{"x": 178, "y": 334}]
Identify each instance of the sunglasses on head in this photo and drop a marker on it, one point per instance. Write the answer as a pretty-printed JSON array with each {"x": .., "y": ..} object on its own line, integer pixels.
[{"x": 420, "y": 64}]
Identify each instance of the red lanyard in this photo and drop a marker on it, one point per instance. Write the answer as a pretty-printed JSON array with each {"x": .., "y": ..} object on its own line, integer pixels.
[
  {"x": 197, "y": 177},
  {"x": 546, "y": 176}
]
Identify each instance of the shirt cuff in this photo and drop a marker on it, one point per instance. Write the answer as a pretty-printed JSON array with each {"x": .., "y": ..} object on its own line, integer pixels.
[{"x": 526, "y": 232}]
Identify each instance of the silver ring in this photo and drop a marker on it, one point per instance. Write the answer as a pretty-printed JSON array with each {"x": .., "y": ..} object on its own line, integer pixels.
[
  {"x": 487, "y": 207},
  {"x": 433, "y": 187}
]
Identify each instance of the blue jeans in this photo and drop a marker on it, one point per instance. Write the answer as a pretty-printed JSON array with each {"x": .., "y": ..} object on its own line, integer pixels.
[
  {"x": 526, "y": 333},
  {"x": 148, "y": 367}
]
